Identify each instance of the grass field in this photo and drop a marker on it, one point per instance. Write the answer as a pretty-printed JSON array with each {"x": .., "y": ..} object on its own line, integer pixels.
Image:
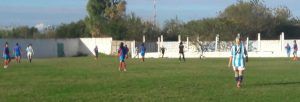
[{"x": 82, "y": 79}]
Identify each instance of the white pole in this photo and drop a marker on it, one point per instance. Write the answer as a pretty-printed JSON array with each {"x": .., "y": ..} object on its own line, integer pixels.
[
  {"x": 283, "y": 42},
  {"x": 158, "y": 43},
  {"x": 187, "y": 42},
  {"x": 179, "y": 38},
  {"x": 144, "y": 39},
  {"x": 216, "y": 43},
  {"x": 161, "y": 40},
  {"x": 280, "y": 43},
  {"x": 133, "y": 50},
  {"x": 259, "y": 44},
  {"x": 247, "y": 45}
]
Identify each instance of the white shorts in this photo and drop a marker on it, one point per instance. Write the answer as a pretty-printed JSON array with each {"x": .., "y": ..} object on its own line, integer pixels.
[
  {"x": 239, "y": 68},
  {"x": 29, "y": 54}
]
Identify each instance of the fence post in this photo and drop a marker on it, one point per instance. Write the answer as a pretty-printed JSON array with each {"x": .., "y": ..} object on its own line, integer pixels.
[
  {"x": 247, "y": 44},
  {"x": 179, "y": 38},
  {"x": 144, "y": 39},
  {"x": 133, "y": 50},
  {"x": 282, "y": 46},
  {"x": 216, "y": 43},
  {"x": 161, "y": 40},
  {"x": 158, "y": 44},
  {"x": 188, "y": 43},
  {"x": 259, "y": 43}
]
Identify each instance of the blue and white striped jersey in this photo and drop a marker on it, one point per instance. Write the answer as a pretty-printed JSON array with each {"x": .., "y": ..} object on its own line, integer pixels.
[{"x": 238, "y": 54}]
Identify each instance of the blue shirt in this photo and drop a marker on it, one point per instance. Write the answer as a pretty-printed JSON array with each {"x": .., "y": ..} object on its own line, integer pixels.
[
  {"x": 142, "y": 49},
  {"x": 6, "y": 51},
  {"x": 288, "y": 48},
  {"x": 122, "y": 51},
  {"x": 17, "y": 49}
]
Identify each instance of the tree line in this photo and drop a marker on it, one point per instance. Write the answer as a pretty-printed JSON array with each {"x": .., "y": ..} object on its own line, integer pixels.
[{"x": 108, "y": 18}]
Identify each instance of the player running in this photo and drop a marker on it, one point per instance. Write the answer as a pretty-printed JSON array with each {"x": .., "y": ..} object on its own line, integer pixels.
[
  {"x": 122, "y": 52},
  {"x": 6, "y": 55},
  {"x": 17, "y": 53},
  {"x": 181, "y": 51},
  {"x": 143, "y": 51},
  {"x": 238, "y": 58},
  {"x": 30, "y": 52},
  {"x": 295, "y": 47}
]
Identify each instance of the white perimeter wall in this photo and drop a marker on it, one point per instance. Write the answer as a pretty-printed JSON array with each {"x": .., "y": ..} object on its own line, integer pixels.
[
  {"x": 45, "y": 48},
  {"x": 269, "y": 48}
]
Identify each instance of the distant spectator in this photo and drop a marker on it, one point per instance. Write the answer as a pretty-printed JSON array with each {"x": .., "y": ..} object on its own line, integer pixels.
[
  {"x": 181, "y": 51},
  {"x": 162, "y": 49},
  {"x": 96, "y": 53},
  {"x": 288, "y": 49},
  {"x": 295, "y": 47}
]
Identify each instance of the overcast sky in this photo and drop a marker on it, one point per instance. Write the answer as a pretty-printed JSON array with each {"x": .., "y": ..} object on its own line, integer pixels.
[{"x": 54, "y": 12}]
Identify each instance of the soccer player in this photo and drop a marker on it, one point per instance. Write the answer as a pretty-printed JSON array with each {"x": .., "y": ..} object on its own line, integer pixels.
[
  {"x": 6, "y": 55},
  {"x": 162, "y": 49},
  {"x": 30, "y": 52},
  {"x": 127, "y": 50},
  {"x": 143, "y": 51},
  {"x": 288, "y": 49},
  {"x": 96, "y": 52},
  {"x": 181, "y": 51},
  {"x": 17, "y": 53},
  {"x": 238, "y": 58},
  {"x": 295, "y": 47},
  {"x": 122, "y": 52},
  {"x": 201, "y": 50}
]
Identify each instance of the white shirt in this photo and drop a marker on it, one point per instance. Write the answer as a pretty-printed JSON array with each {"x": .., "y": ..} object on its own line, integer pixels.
[{"x": 29, "y": 50}]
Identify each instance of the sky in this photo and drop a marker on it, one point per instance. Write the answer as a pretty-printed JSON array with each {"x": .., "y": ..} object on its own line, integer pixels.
[{"x": 55, "y": 12}]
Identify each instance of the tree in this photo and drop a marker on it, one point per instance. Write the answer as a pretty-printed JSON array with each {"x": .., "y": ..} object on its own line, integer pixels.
[
  {"x": 101, "y": 12},
  {"x": 72, "y": 30}
]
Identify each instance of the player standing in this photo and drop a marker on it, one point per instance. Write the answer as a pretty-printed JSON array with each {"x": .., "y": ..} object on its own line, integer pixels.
[
  {"x": 122, "y": 52},
  {"x": 295, "y": 47},
  {"x": 143, "y": 51},
  {"x": 127, "y": 50},
  {"x": 30, "y": 52},
  {"x": 238, "y": 58},
  {"x": 181, "y": 51},
  {"x": 17, "y": 53},
  {"x": 96, "y": 52},
  {"x": 162, "y": 49},
  {"x": 6, "y": 55},
  {"x": 288, "y": 49}
]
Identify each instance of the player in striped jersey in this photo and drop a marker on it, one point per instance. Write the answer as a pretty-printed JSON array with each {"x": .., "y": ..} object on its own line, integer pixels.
[{"x": 238, "y": 58}]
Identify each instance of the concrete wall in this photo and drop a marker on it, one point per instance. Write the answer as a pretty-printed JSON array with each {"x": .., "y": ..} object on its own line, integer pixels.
[
  {"x": 45, "y": 48},
  {"x": 87, "y": 45},
  {"x": 268, "y": 48}
]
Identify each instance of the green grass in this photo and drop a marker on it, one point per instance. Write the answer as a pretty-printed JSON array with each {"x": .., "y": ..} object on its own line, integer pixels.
[{"x": 82, "y": 79}]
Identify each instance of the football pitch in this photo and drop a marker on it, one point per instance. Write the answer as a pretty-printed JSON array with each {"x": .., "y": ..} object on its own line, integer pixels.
[{"x": 82, "y": 79}]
